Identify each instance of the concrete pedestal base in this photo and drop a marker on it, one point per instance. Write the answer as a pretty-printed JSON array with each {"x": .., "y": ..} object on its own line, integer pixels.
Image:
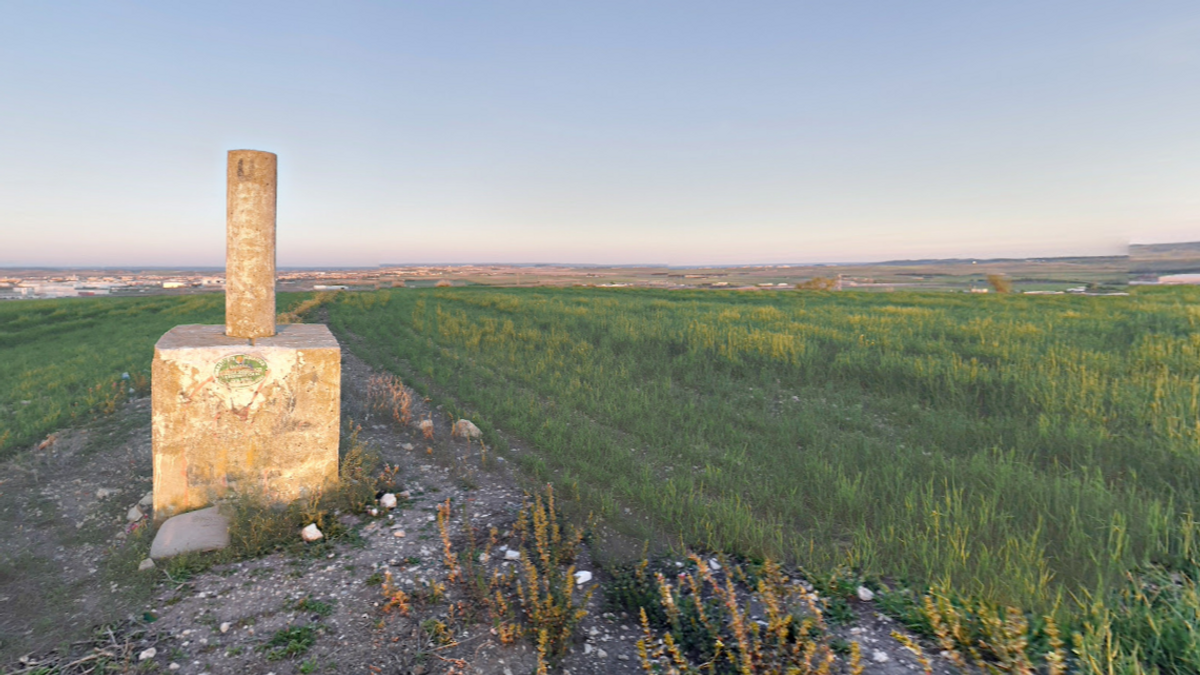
[{"x": 260, "y": 419}]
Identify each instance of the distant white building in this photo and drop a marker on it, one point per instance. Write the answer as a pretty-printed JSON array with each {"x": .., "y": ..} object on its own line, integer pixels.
[{"x": 53, "y": 290}]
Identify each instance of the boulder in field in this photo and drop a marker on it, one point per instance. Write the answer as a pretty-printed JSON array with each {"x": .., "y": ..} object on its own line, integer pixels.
[{"x": 467, "y": 429}]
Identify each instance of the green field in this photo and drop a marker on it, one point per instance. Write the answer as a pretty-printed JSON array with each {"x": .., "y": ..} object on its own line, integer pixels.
[{"x": 1028, "y": 451}]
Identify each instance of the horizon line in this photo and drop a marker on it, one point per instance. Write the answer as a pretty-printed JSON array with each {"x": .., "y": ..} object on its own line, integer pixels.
[{"x": 895, "y": 261}]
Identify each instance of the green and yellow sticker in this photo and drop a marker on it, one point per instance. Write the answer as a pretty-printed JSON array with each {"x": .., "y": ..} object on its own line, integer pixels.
[{"x": 240, "y": 370}]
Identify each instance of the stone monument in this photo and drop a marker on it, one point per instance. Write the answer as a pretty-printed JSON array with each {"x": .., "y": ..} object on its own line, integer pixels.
[{"x": 246, "y": 407}]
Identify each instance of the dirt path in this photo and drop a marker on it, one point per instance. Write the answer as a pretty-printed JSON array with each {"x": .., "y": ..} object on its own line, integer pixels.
[{"x": 69, "y": 565}]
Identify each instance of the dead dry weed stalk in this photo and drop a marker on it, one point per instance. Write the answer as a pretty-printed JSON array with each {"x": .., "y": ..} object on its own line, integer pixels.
[
  {"x": 388, "y": 395},
  {"x": 113, "y": 648}
]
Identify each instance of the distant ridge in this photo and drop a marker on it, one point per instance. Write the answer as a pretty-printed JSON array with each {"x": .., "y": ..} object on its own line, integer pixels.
[
  {"x": 1181, "y": 246},
  {"x": 1165, "y": 259}
]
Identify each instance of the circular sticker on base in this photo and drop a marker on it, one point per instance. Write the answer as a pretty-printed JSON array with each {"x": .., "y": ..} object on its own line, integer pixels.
[{"x": 240, "y": 370}]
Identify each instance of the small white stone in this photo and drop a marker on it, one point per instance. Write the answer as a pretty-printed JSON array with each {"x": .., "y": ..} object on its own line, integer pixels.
[
  {"x": 601, "y": 654},
  {"x": 399, "y": 534},
  {"x": 587, "y": 648},
  {"x": 145, "y": 565},
  {"x": 582, "y": 577},
  {"x": 173, "y": 666},
  {"x": 405, "y": 494},
  {"x": 880, "y": 656},
  {"x": 311, "y": 533},
  {"x": 134, "y": 515},
  {"x": 147, "y": 654},
  {"x": 146, "y": 500},
  {"x": 388, "y": 501},
  {"x": 483, "y": 558},
  {"x": 714, "y": 565},
  {"x": 622, "y": 657},
  {"x": 512, "y": 554},
  {"x": 865, "y": 594},
  {"x": 103, "y": 493},
  {"x": 406, "y": 446},
  {"x": 225, "y": 627}
]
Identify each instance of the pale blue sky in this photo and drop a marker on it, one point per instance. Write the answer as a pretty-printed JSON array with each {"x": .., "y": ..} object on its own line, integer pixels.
[{"x": 602, "y": 132}]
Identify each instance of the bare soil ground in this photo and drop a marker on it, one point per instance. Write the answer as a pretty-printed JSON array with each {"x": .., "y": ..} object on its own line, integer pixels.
[{"x": 72, "y": 598}]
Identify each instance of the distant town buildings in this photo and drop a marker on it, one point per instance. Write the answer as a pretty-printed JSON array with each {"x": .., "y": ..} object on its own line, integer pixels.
[{"x": 1038, "y": 276}]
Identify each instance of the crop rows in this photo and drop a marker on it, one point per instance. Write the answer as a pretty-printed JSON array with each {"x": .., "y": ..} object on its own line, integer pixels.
[{"x": 1019, "y": 449}]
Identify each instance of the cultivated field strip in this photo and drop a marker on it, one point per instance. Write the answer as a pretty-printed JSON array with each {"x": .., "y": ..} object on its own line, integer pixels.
[{"x": 1016, "y": 448}]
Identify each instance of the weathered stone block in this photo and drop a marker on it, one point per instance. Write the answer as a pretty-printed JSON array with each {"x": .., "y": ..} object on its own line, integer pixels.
[{"x": 231, "y": 416}]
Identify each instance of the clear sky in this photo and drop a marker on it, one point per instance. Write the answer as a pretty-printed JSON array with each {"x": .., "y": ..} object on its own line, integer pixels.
[{"x": 600, "y": 132}]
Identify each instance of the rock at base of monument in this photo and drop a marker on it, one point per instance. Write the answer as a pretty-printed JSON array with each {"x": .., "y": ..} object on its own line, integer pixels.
[{"x": 196, "y": 531}]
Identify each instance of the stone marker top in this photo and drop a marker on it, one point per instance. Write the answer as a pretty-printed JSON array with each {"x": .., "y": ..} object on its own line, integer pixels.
[
  {"x": 250, "y": 244},
  {"x": 290, "y": 336}
]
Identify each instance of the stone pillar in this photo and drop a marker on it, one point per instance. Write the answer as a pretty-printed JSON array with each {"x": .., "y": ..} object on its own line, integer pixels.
[
  {"x": 250, "y": 244},
  {"x": 243, "y": 408}
]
